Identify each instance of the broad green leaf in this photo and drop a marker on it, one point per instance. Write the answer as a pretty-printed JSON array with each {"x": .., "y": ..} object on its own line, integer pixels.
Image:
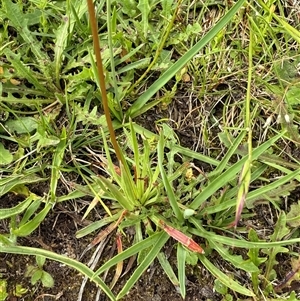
[
  {"x": 64, "y": 31},
  {"x": 47, "y": 279},
  {"x": 3, "y": 289},
  {"x": 281, "y": 229},
  {"x": 36, "y": 276},
  {"x": 14, "y": 14},
  {"x": 22, "y": 70},
  {"x": 22, "y": 125},
  {"x": 20, "y": 22},
  {"x": 293, "y": 95},
  {"x": 293, "y": 216},
  {"x": 129, "y": 7},
  {"x": 5, "y": 156},
  {"x": 40, "y": 260},
  {"x": 166, "y": 7}
]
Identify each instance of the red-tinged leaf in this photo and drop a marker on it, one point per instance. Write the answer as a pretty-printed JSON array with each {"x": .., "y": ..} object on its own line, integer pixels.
[
  {"x": 119, "y": 264},
  {"x": 182, "y": 238},
  {"x": 239, "y": 208}
]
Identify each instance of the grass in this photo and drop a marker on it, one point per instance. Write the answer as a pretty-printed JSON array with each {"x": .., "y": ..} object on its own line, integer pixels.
[{"x": 227, "y": 74}]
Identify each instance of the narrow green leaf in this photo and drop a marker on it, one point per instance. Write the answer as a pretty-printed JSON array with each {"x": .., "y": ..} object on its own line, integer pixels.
[
  {"x": 167, "y": 184},
  {"x": 229, "y": 174},
  {"x": 9, "y": 212},
  {"x": 23, "y": 70},
  {"x": 136, "y": 248},
  {"x": 30, "y": 226},
  {"x": 226, "y": 280},
  {"x": 80, "y": 267},
  {"x": 144, "y": 264},
  {"x": 234, "y": 242},
  {"x": 165, "y": 264},
  {"x": 96, "y": 225},
  {"x": 181, "y": 264},
  {"x": 119, "y": 197},
  {"x": 232, "y": 149}
]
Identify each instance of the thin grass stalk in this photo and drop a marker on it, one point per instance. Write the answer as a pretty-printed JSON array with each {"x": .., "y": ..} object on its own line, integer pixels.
[
  {"x": 99, "y": 63},
  {"x": 245, "y": 177}
]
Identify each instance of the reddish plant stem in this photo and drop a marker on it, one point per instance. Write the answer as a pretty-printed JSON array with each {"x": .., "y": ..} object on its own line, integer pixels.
[{"x": 97, "y": 51}]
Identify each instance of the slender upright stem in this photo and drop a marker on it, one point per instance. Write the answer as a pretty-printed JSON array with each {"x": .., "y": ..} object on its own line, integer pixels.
[{"x": 97, "y": 51}]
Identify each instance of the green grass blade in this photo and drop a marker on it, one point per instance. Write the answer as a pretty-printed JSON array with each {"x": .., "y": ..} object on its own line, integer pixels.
[
  {"x": 238, "y": 243},
  {"x": 114, "y": 191},
  {"x": 226, "y": 280},
  {"x": 230, "y": 173},
  {"x": 96, "y": 225},
  {"x": 228, "y": 155},
  {"x": 255, "y": 194},
  {"x": 181, "y": 257},
  {"x": 144, "y": 98},
  {"x": 167, "y": 184},
  {"x": 165, "y": 264},
  {"x": 144, "y": 264},
  {"x": 192, "y": 154},
  {"x": 136, "y": 248},
  {"x": 29, "y": 227},
  {"x": 80, "y": 267},
  {"x": 32, "y": 208},
  {"x": 8, "y": 212}
]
